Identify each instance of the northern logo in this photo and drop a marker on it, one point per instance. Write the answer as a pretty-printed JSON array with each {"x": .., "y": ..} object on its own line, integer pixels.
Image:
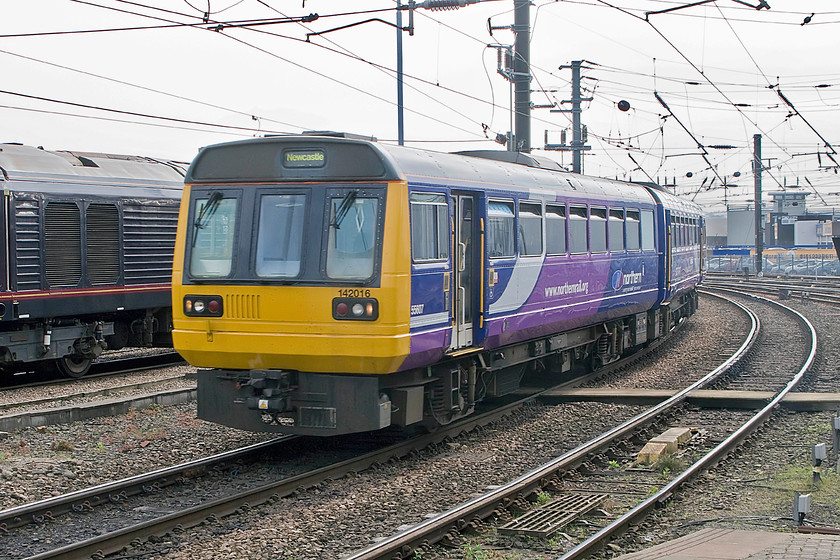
[
  {"x": 617, "y": 280},
  {"x": 621, "y": 279}
]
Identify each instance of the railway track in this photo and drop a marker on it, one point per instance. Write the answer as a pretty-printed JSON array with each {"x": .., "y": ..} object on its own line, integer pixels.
[
  {"x": 115, "y": 387},
  {"x": 25, "y": 522},
  {"x": 820, "y": 290},
  {"x": 109, "y": 365},
  {"x": 574, "y": 476}
]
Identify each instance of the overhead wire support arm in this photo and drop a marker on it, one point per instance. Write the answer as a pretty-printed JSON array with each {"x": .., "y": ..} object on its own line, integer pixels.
[
  {"x": 704, "y": 153},
  {"x": 433, "y": 5},
  {"x": 826, "y": 143},
  {"x": 257, "y": 23},
  {"x": 675, "y": 8},
  {"x": 642, "y": 169},
  {"x": 410, "y": 28},
  {"x": 761, "y": 4}
]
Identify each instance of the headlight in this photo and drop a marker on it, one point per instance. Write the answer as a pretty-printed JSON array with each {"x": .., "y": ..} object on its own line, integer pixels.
[
  {"x": 355, "y": 309},
  {"x": 203, "y": 306}
]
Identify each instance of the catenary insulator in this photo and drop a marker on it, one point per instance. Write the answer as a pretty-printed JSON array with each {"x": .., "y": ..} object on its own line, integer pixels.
[{"x": 439, "y": 5}]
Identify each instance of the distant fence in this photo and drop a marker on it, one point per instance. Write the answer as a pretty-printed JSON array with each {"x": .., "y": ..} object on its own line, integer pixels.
[{"x": 776, "y": 262}]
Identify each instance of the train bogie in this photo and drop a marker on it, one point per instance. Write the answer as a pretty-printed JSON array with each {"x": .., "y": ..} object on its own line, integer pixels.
[{"x": 355, "y": 286}]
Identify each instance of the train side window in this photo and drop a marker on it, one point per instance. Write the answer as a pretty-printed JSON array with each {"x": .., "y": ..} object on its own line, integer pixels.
[
  {"x": 616, "y": 227},
  {"x": 675, "y": 239},
  {"x": 212, "y": 250},
  {"x": 352, "y": 237},
  {"x": 598, "y": 230},
  {"x": 280, "y": 235},
  {"x": 634, "y": 230},
  {"x": 578, "y": 237},
  {"x": 500, "y": 229},
  {"x": 530, "y": 229},
  {"x": 648, "y": 243},
  {"x": 677, "y": 230},
  {"x": 555, "y": 229},
  {"x": 429, "y": 227}
]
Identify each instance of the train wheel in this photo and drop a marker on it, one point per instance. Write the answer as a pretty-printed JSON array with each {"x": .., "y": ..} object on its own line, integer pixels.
[{"x": 73, "y": 365}]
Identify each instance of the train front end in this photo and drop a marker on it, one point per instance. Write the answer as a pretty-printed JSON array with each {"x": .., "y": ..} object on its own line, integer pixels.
[{"x": 291, "y": 283}]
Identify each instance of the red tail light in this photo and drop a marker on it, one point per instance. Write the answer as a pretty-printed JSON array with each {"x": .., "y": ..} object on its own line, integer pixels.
[{"x": 355, "y": 309}]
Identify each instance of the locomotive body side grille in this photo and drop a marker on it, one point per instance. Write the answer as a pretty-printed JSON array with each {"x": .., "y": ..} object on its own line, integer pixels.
[
  {"x": 27, "y": 240},
  {"x": 149, "y": 241},
  {"x": 62, "y": 244},
  {"x": 102, "y": 231}
]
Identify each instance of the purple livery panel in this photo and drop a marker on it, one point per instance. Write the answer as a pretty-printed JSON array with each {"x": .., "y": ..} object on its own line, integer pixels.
[
  {"x": 562, "y": 293},
  {"x": 532, "y": 297},
  {"x": 685, "y": 269},
  {"x": 431, "y": 323}
]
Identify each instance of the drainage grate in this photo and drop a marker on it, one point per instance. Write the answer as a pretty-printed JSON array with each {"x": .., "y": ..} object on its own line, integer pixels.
[{"x": 546, "y": 520}]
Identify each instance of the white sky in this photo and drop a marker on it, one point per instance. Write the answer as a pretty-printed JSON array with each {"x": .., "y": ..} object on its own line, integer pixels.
[{"x": 345, "y": 81}]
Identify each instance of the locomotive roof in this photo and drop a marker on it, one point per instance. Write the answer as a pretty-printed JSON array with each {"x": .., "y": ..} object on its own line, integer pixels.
[
  {"x": 23, "y": 164},
  {"x": 342, "y": 158}
]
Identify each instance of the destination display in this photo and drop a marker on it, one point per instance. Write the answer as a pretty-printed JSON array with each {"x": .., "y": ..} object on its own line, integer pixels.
[{"x": 304, "y": 158}]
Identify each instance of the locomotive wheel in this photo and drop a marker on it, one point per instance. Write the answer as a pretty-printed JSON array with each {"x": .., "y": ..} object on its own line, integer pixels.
[{"x": 74, "y": 365}]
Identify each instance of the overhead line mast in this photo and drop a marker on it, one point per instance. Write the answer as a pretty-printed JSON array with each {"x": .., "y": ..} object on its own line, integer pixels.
[
  {"x": 522, "y": 74},
  {"x": 578, "y": 144}
]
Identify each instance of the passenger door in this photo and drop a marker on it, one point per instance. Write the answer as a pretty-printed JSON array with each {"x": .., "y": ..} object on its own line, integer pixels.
[{"x": 467, "y": 276}]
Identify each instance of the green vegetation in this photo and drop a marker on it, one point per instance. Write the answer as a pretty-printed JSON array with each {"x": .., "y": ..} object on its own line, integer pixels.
[
  {"x": 668, "y": 465},
  {"x": 543, "y": 497},
  {"x": 473, "y": 551}
]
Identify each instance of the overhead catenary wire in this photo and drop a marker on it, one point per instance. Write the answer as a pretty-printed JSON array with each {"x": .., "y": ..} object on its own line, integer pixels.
[
  {"x": 149, "y": 89},
  {"x": 244, "y": 133},
  {"x": 698, "y": 70},
  {"x": 218, "y": 26},
  {"x": 212, "y": 23},
  {"x": 606, "y": 96},
  {"x": 346, "y": 52},
  {"x": 128, "y": 113},
  {"x": 778, "y": 91}
]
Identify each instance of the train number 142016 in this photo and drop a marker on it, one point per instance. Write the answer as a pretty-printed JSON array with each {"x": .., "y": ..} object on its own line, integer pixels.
[{"x": 354, "y": 292}]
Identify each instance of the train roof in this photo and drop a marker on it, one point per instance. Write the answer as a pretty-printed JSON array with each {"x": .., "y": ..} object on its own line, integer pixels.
[
  {"x": 343, "y": 158},
  {"x": 507, "y": 171},
  {"x": 676, "y": 203},
  {"x": 22, "y": 164}
]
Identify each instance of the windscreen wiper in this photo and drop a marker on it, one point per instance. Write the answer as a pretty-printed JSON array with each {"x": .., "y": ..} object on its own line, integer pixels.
[
  {"x": 206, "y": 213},
  {"x": 344, "y": 208}
]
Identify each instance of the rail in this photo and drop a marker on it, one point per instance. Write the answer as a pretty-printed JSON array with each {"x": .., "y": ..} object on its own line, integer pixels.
[{"x": 434, "y": 529}]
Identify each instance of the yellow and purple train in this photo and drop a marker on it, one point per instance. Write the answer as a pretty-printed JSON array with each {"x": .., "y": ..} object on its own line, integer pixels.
[{"x": 331, "y": 284}]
